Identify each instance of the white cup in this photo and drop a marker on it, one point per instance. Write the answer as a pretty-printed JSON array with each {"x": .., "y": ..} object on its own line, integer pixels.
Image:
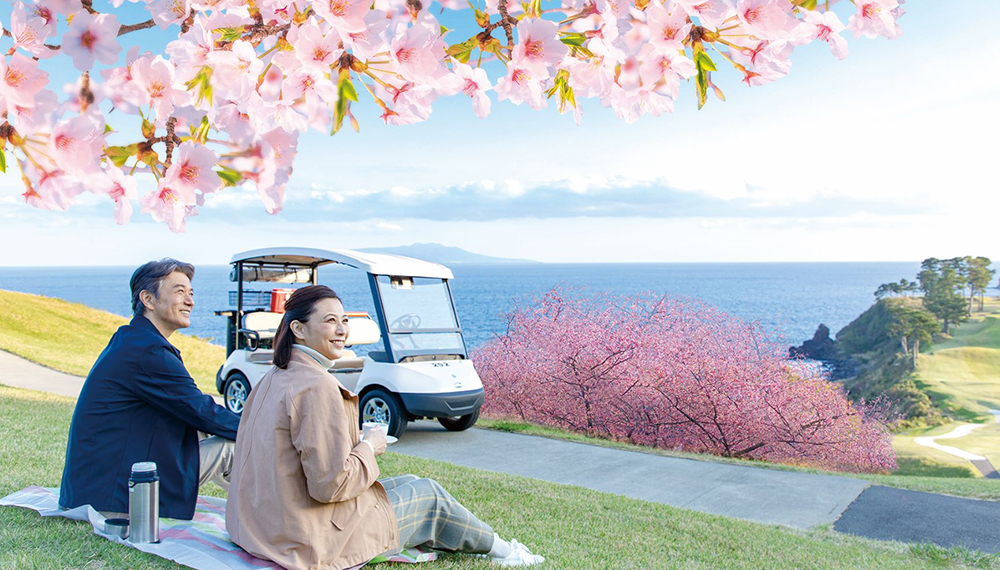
[{"x": 369, "y": 427}]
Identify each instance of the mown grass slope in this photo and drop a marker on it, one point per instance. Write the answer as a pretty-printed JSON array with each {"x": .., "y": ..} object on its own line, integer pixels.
[
  {"x": 575, "y": 528},
  {"x": 69, "y": 337}
]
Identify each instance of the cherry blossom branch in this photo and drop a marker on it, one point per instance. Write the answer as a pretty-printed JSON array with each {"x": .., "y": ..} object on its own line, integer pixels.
[
  {"x": 170, "y": 140},
  {"x": 129, "y": 28},
  {"x": 508, "y": 28}
]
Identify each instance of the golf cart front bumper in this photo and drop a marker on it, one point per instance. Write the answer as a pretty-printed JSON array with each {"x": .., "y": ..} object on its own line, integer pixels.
[{"x": 446, "y": 405}]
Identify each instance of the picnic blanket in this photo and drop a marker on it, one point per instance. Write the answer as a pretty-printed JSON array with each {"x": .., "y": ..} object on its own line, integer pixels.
[{"x": 201, "y": 543}]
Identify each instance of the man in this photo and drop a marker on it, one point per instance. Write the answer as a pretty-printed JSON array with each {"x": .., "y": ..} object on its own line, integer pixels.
[{"x": 140, "y": 404}]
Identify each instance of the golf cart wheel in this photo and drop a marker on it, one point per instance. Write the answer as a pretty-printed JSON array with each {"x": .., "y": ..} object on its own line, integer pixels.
[
  {"x": 236, "y": 391},
  {"x": 461, "y": 423},
  {"x": 383, "y": 407}
]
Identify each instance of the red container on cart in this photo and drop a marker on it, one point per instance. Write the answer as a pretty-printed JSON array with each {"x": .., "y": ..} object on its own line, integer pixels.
[{"x": 278, "y": 299}]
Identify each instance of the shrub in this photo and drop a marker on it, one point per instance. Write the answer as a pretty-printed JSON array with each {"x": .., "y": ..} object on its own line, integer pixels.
[{"x": 678, "y": 375}]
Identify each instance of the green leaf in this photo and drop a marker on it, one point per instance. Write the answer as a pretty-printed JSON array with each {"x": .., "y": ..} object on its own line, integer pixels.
[
  {"x": 119, "y": 155},
  {"x": 346, "y": 94},
  {"x": 230, "y": 34},
  {"x": 229, "y": 176},
  {"x": 108, "y": 129},
  {"x": 201, "y": 84},
  {"x": 573, "y": 39},
  {"x": 463, "y": 51},
  {"x": 809, "y": 4},
  {"x": 705, "y": 62},
  {"x": 3, "y": 161},
  {"x": 148, "y": 130}
]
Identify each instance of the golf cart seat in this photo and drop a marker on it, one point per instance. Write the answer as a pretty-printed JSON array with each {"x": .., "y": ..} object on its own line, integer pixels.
[
  {"x": 261, "y": 326},
  {"x": 364, "y": 330}
]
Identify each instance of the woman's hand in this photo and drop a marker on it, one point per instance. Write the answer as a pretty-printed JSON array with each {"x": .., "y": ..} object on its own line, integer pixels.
[{"x": 376, "y": 438}]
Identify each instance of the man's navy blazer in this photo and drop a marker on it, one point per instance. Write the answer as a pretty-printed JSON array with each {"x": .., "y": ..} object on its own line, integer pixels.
[{"x": 139, "y": 404}]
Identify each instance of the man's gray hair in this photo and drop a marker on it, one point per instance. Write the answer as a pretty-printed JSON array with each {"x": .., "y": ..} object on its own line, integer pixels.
[{"x": 149, "y": 276}]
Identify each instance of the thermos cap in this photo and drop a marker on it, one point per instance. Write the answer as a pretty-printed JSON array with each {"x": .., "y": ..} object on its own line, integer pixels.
[{"x": 144, "y": 467}]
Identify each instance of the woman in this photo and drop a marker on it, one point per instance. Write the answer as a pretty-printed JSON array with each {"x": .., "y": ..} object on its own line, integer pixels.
[{"x": 304, "y": 489}]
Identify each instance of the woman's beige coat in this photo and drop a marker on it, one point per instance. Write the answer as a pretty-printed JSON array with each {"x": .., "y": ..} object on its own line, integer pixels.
[{"x": 303, "y": 490}]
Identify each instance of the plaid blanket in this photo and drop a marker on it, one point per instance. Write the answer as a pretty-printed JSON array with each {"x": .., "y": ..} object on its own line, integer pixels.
[{"x": 201, "y": 543}]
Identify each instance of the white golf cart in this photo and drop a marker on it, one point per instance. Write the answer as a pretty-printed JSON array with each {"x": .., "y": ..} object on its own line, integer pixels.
[{"x": 419, "y": 366}]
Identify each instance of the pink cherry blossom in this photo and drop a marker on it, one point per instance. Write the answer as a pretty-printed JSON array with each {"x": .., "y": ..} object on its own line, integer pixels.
[
  {"x": 667, "y": 29},
  {"x": 153, "y": 84},
  {"x": 538, "y": 46},
  {"x": 369, "y": 41},
  {"x": 237, "y": 70},
  {"x": 167, "y": 12},
  {"x": 120, "y": 187},
  {"x": 518, "y": 86},
  {"x": 39, "y": 117},
  {"x": 190, "y": 51},
  {"x": 674, "y": 375},
  {"x": 241, "y": 80},
  {"x": 874, "y": 18},
  {"x": 710, "y": 13},
  {"x": 662, "y": 71},
  {"x": 347, "y": 16},
  {"x": 91, "y": 37},
  {"x": 46, "y": 14},
  {"x": 418, "y": 54},
  {"x": 20, "y": 81},
  {"x": 827, "y": 27},
  {"x": 63, "y": 7},
  {"x": 475, "y": 84},
  {"x": 192, "y": 171},
  {"x": 76, "y": 144},
  {"x": 49, "y": 189},
  {"x": 165, "y": 204},
  {"x": 316, "y": 51},
  {"x": 29, "y": 31},
  {"x": 766, "y": 19}
]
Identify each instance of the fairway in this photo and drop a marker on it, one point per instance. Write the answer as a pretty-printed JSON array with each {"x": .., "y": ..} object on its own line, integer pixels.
[{"x": 961, "y": 374}]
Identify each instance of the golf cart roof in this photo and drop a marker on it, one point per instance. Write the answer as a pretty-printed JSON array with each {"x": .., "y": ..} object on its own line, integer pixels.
[{"x": 374, "y": 263}]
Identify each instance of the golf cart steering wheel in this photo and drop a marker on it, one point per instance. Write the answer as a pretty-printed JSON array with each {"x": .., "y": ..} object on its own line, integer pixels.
[{"x": 406, "y": 322}]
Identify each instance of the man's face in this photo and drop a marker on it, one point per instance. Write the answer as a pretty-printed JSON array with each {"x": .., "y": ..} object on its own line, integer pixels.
[{"x": 172, "y": 304}]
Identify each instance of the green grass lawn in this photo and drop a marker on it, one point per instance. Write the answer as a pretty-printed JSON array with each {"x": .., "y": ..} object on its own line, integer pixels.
[
  {"x": 575, "y": 528},
  {"x": 69, "y": 336}
]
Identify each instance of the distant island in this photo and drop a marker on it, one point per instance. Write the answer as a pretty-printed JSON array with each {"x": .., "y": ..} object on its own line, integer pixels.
[{"x": 443, "y": 254}]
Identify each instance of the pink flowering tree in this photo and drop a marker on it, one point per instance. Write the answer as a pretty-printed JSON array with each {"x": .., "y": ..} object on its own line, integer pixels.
[
  {"x": 676, "y": 375},
  {"x": 227, "y": 99}
]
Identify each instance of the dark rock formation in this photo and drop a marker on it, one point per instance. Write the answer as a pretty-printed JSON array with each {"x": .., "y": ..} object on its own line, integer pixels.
[
  {"x": 824, "y": 349},
  {"x": 820, "y": 347}
]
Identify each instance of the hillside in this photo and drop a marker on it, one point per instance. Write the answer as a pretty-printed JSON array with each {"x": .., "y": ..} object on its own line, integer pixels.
[
  {"x": 881, "y": 367},
  {"x": 69, "y": 337}
]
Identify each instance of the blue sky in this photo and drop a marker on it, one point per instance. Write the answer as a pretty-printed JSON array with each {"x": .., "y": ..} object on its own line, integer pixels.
[{"x": 887, "y": 155}]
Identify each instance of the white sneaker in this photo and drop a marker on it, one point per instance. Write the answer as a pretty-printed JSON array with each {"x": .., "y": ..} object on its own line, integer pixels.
[{"x": 519, "y": 556}]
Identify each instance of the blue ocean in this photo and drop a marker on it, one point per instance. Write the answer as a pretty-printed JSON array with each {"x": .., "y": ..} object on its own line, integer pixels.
[{"x": 788, "y": 299}]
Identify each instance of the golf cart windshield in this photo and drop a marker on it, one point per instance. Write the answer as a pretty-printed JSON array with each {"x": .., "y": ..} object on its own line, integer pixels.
[{"x": 420, "y": 316}]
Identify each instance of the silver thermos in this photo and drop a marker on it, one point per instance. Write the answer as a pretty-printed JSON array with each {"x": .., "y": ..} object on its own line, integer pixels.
[{"x": 144, "y": 503}]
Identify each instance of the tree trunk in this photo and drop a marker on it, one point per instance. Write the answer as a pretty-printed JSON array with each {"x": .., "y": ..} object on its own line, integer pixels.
[
  {"x": 944, "y": 328},
  {"x": 916, "y": 351},
  {"x": 903, "y": 342}
]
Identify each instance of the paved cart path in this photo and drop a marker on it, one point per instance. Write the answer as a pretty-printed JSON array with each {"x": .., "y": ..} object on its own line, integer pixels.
[{"x": 800, "y": 500}]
